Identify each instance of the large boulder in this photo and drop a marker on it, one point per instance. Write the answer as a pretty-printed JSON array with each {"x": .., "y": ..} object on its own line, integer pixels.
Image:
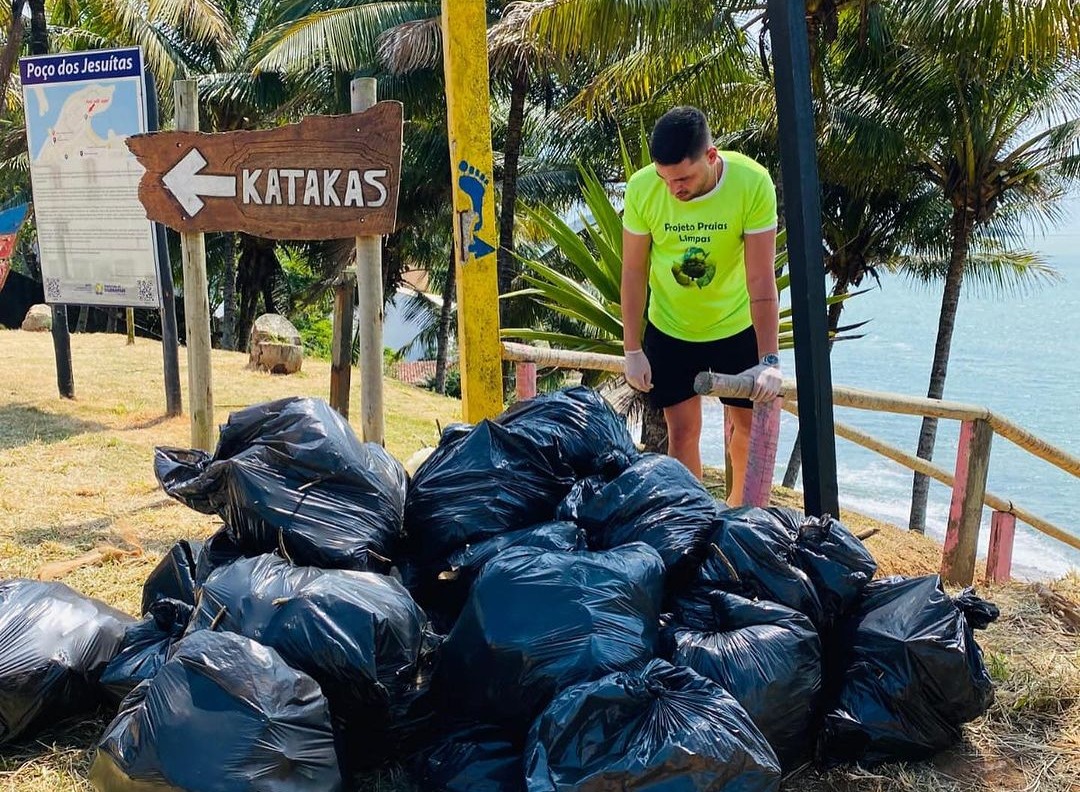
[
  {"x": 38, "y": 319},
  {"x": 275, "y": 345}
]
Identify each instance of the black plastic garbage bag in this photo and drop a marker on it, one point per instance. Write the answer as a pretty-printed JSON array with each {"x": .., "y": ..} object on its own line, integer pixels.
[
  {"x": 224, "y": 714},
  {"x": 291, "y": 474},
  {"x": 835, "y": 561},
  {"x": 656, "y": 500},
  {"x": 358, "y": 634},
  {"x": 174, "y": 576},
  {"x": 582, "y": 492},
  {"x": 243, "y": 596},
  {"x": 472, "y": 758},
  {"x": 146, "y": 647},
  {"x": 913, "y": 672},
  {"x": 537, "y": 621},
  {"x": 751, "y": 552},
  {"x": 767, "y": 656},
  {"x": 476, "y": 486},
  {"x": 467, "y": 562},
  {"x": 218, "y": 551},
  {"x": 660, "y": 728},
  {"x": 54, "y": 646},
  {"x": 574, "y": 427},
  {"x": 447, "y": 596}
]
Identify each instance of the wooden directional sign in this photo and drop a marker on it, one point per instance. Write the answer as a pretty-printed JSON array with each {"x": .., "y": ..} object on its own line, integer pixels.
[{"x": 327, "y": 177}]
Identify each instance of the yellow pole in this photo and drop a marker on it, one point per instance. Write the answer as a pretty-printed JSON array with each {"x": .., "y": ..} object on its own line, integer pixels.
[{"x": 475, "y": 235}]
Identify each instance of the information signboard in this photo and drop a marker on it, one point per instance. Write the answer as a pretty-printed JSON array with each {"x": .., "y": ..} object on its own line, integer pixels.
[{"x": 96, "y": 245}]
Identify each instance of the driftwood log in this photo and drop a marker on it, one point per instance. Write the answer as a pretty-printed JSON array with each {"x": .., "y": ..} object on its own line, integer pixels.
[{"x": 1059, "y": 605}]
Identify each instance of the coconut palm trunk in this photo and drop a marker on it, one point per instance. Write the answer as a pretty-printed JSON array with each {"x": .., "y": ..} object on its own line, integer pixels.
[
  {"x": 228, "y": 330},
  {"x": 507, "y": 267},
  {"x": 442, "y": 343},
  {"x": 794, "y": 465},
  {"x": 12, "y": 48},
  {"x": 654, "y": 436},
  {"x": 962, "y": 226}
]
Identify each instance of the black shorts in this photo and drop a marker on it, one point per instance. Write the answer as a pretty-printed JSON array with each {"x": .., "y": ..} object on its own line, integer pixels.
[{"x": 675, "y": 363}]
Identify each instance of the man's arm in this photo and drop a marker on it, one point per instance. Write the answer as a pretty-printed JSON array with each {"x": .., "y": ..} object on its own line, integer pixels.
[
  {"x": 635, "y": 276},
  {"x": 760, "y": 253}
]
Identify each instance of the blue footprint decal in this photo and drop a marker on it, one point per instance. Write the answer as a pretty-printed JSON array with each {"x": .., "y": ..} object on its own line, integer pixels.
[{"x": 474, "y": 183}]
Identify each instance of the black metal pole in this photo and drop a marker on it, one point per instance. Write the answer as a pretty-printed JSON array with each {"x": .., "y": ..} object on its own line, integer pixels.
[
  {"x": 61, "y": 338},
  {"x": 65, "y": 380},
  {"x": 170, "y": 341},
  {"x": 802, "y": 212}
]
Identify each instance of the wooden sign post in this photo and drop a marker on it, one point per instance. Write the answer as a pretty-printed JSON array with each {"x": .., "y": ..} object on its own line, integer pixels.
[
  {"x": 326, "y": 177},
  {"x": 196, "y": 295},
  {"x": 369, "y": 278}
]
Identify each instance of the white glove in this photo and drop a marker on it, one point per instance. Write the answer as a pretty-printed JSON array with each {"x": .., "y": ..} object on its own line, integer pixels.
[
  {"x": 637, "y": 370},
  {"x": 767, "y": 382}
]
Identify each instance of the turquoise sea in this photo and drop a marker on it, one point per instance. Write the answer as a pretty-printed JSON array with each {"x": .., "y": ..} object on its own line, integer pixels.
[{"x": 1019, "y": 356}]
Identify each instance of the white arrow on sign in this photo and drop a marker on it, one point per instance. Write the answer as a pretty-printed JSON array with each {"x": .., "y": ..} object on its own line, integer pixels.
[{"x": 186, "y": 183}]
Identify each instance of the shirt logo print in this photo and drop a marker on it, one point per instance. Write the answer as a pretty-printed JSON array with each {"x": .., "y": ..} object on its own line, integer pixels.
[{"x": 694, "y": 268}]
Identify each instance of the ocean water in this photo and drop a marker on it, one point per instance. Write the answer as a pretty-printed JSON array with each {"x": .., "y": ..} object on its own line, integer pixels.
[{"x": 1019, "y": 356}]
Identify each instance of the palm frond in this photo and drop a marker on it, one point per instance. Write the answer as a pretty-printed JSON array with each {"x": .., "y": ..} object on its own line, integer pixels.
[
  {"x": 411, "y": 46},
  {"x": 345, "y": 37}
]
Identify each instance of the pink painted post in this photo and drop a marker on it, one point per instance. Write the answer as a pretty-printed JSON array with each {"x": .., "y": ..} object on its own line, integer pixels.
[
  {"x": 965, "y": 511},
  {"x": 526, "y": 380},
  {"x": 729, "y": 428},
  {"x": 999, "y": 555},
  {"x": 764, "y": 437}
]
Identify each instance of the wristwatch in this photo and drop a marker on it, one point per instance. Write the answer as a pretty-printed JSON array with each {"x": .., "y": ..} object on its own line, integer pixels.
[{"x": 770, "y": 360}]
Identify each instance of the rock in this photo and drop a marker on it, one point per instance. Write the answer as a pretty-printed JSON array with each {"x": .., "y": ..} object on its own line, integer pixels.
[
  {"x": 274, "y": 328},
  {"x": 277, "y": 358},
  {"x": 274, "y": 345},
  {"x": 38, "y": 319}
]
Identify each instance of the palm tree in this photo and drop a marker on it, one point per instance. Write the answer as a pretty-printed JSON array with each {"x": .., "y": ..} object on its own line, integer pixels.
[
  {"x": 521, "y": 72},
  {"x": 996, "y": 129}
]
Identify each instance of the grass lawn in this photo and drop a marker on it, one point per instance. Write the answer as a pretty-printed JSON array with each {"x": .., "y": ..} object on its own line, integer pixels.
[{"x": 76, "y": 478}]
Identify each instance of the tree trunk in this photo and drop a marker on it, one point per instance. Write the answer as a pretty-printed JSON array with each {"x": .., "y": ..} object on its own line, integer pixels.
[
  {"x": 110, "y": 326},
  {"x": 228, "y": 330},
  {"x": 653, "y": 429},
  {"x": 268, "y": 294},
  {"x": 39, "y": 29},
  {"x": 11, "y": 50},
  {"x": 507, "y": 265},
  {"x": 445, "y": 315},
  {"x": 962, "y": 224},
  {"x": 794, "y": 465},
  {"x": 256, "y": 268},
  {"x": 84, "y": 315}
]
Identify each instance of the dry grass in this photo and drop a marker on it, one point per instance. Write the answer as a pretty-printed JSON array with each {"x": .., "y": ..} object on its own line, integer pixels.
[{"x": 77, "y": 475}]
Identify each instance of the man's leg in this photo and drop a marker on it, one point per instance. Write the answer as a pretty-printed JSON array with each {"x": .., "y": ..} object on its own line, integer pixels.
[
  {"x": 684, "y": 433},
  {"x": 741, "y": 418}
]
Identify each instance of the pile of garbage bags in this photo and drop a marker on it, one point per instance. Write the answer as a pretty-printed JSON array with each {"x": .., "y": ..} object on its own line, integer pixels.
[{"x": 540, "y": 607}]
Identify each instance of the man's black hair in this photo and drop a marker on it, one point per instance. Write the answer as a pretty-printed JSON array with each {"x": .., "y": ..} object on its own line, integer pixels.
[{"x": 680, "y": 133}]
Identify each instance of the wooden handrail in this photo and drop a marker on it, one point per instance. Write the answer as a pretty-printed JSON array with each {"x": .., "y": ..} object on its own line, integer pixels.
[
  {"x": 948, "y": 479},
  {"x": 739, "y": 386},
  {"x": 1036, "y": 445},
  {"x": 562, "y": 358},
  {"x": 734, "y": 385}
]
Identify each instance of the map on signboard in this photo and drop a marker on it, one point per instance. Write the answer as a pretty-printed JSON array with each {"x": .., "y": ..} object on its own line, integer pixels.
[
  {"x": 82, "y": 120},
  {"x": 95, "y": 244}
]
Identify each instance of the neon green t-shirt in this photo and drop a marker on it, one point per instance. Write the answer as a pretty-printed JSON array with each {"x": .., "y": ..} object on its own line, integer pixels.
[{"x": 697, "y": 275}]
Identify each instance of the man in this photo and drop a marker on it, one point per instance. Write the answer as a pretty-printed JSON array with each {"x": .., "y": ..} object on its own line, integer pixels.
[{"x": 699, "y": 227}]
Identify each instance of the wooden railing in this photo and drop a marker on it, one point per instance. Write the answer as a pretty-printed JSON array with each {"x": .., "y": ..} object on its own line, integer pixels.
[{"x": 968, "y": 481}]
